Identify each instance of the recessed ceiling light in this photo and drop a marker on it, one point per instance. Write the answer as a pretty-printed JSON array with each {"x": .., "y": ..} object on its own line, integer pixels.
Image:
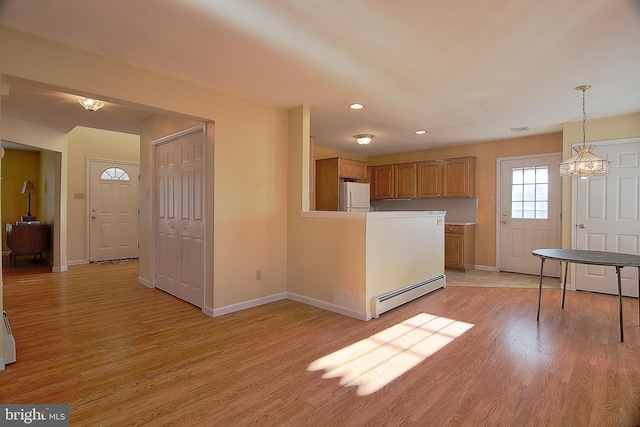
[
  {"x": 421, "y": 132},
  {"x": 356, "y": 106}
]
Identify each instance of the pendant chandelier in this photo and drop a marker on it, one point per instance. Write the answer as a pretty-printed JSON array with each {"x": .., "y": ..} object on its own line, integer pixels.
[{"x": 584, "y": 163}]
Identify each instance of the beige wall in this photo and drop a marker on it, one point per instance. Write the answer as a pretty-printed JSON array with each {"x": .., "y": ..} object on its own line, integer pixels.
[
  {"x": 486, "y": 154},
  {"x": 327, "y": 263},
  {"x": 325, "y": 153},
  {"x": 249, "y": 155},
  {"x": 87, "y": 143}
]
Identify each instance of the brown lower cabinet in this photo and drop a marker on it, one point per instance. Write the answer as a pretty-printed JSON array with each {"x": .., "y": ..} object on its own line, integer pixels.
[{"x": 459, "y": 247}]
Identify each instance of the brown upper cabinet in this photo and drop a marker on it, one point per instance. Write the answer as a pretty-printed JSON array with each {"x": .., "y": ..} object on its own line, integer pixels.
[
  {"x": 396, "y": 181},
  {"x": 329, "y": 173},
  {"x": 352, "y": 169},
  {"x": 454, "y": 177}
]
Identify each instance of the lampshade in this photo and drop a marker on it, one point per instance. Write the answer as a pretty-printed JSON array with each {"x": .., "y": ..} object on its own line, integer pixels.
[
  {"x": 28, "y": 187},
  {"x": 584, "y": 163},
  {"x": 90, "y": 104},
  {"x": 363, "y": 139}
]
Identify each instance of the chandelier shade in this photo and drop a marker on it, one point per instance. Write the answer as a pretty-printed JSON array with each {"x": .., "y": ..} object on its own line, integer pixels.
[{"x": 584, "y": 163}]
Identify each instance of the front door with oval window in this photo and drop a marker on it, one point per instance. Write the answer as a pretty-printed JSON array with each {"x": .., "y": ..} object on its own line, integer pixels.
[{"x": 113, "y": 210}]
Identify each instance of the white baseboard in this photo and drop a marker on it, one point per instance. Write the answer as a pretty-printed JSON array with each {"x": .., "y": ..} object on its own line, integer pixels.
[
  {"x": 145, "y": 282},
  {"x": 486, "y": 268},
  {"x": 60, "y": 269},
  {"x": 246, "y": 304},
  {"x": 78, "y": 262},
  {"x": 330, "y": 307}
]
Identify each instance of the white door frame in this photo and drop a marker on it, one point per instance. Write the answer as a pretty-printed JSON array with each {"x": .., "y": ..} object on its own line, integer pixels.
[
  {"x": 574, "y": 200},
  {"x": 88, "y": 198},
  {"x": 498, "y": 205}
]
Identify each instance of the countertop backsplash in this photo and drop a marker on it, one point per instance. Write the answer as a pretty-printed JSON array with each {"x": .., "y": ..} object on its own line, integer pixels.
[{"x": 458, "y": 210}]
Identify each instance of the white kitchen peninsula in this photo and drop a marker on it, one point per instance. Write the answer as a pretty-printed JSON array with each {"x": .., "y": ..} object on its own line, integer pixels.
[{"x": 345, "y": 260}]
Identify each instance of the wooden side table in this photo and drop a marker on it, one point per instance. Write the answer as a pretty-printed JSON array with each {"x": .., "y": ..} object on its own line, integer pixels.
[{"x": 26, "y": 239}]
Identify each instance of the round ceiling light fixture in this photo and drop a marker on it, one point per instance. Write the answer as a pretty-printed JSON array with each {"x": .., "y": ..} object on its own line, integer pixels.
[
  {"x": 90, "y": 104},
  {"x": 356, "y": 106},
  {"x": 363, "y": 139},
  {"x": 421, "y": 132}
]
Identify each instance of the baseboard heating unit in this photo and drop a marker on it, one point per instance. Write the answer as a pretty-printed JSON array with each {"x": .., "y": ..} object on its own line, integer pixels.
[
  {"x": 8, "y": 341},
  {"x": 393, "y": 299}
]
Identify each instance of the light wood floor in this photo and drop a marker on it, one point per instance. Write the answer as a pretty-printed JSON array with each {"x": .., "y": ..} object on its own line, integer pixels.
[{"x": 122, "y": 354}]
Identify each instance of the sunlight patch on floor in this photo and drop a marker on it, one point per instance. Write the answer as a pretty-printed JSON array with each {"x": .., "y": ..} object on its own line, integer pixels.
[{"x": 374, "y": 362}]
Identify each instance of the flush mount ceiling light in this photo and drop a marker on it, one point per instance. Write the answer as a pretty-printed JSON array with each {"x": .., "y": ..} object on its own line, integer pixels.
[
  {"x": 421, "y": 132},
  {"x": 90, "y": 104},
  {"x": 356, "y": 106},
  {"x": 363, "y": 139},
  {"x": 584, "y": 163}
]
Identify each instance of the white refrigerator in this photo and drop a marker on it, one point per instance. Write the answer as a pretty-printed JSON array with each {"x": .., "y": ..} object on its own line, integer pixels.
[{"x": 354, "y": 197}]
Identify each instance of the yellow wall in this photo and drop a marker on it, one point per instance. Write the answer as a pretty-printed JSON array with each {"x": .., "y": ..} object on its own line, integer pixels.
[
  {"x": 84, "y": 143},
  {"x": 19, "y": 166},
  {"x": 486, "y": 154}
]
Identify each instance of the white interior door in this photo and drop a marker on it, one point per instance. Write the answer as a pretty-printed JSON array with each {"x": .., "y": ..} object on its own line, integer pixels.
[
  {"x": 529, "y": 212},
  {"x": 179, "y": 267},
  {"x": 113, "y": 210},
  {"x": 607, "y": 218}
]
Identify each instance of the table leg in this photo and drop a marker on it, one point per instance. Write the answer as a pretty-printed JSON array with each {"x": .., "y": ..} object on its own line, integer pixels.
[
  {"x": 564, "y": 286},
  {"x": 618, "y": 268},
  {"x": 540, "y": 287}
]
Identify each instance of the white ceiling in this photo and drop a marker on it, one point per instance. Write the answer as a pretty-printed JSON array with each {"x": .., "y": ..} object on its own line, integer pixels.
[{"x": 464, "y": 70}]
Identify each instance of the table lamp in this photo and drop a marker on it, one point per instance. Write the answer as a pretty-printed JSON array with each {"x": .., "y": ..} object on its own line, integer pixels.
[{"x": 28, "y": 187}]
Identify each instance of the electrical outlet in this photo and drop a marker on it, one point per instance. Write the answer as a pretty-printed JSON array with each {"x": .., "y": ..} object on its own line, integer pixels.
[{"x": 258, "y": 274}]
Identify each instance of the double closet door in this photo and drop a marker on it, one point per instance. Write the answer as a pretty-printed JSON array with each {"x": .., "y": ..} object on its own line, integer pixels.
[{"x": 180, "y": 228}]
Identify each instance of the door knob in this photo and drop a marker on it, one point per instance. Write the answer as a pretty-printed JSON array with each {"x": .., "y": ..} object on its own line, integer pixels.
[
  {"x": 580, "y": 225},
  {"x": 93, "y": 217}
]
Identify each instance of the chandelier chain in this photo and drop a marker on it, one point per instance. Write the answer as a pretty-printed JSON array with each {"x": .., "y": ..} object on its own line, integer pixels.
[{"x": 584, "y": 117}]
